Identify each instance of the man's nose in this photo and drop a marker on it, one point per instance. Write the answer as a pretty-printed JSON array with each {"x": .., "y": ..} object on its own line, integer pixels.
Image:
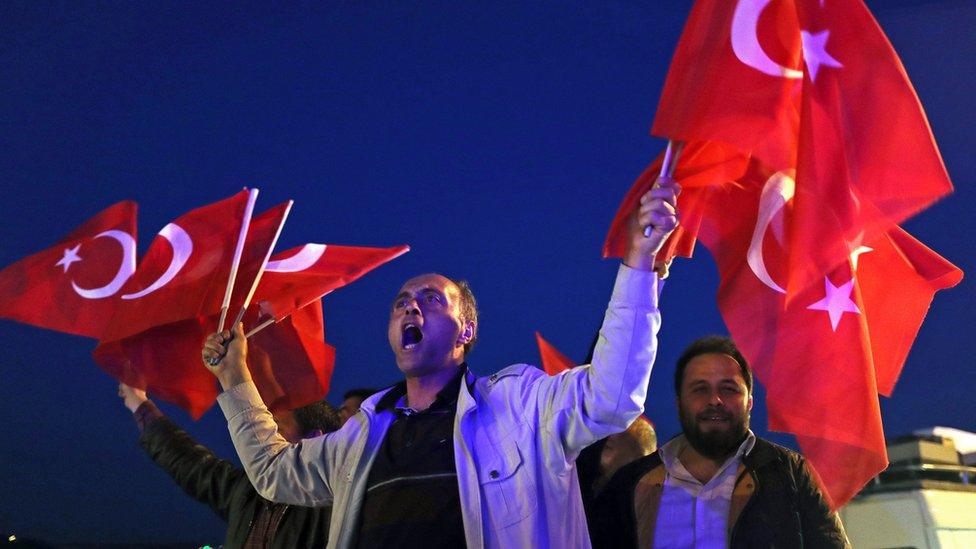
[
  {"x": 411, "y": 307},
  {"x": 714, "y": 399}
]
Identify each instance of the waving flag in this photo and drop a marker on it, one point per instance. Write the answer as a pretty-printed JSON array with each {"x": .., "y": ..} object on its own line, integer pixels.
[
  {"x": 304, "y": 274},
  {"x": 185, "y": 271},
  {"x": 823, "y": 351},
  {"x": 703, "y": 163},
  {"x": 816, "y": 87},
  {"x": 156, "y": 345},
  {"x": 290, "y": 362},
  {"x": 74, "y": 285}
]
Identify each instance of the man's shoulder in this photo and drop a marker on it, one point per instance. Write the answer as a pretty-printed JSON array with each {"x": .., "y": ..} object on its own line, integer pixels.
[
  {"x": 516, "y": 374},
  {"x": 629, "y": 475},
  {"x": 765, "y": 452}
]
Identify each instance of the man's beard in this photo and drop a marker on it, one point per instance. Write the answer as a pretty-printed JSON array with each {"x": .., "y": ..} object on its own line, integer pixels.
[{"x": 715, "y": 444}]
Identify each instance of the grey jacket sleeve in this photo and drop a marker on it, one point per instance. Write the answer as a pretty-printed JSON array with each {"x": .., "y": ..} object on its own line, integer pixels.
[
  {"x": 280, "y": 471},
  {"x": 584, "y": 404}
]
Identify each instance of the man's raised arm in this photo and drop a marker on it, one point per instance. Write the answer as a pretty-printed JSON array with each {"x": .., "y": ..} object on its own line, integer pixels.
[
  {"x": 267, "y": 457},
  {"x": 585, "y": 404}
]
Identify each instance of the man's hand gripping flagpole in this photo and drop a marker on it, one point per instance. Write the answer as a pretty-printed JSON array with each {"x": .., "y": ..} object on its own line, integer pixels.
[{"x": 656, "y": 217}]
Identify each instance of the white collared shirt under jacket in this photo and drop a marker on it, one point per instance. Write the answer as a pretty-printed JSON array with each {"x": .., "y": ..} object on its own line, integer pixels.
[
  {"x": 516, "y": 437},
  {"x": 692, "y": 513}
]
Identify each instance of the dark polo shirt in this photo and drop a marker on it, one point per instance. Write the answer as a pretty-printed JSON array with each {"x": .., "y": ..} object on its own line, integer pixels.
[{"x": 412, "y": 491}]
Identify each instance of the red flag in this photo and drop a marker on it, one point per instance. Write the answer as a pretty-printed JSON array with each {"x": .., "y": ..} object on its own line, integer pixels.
[
  {"x": 701, "y": 164},
  {"x": 162, "y": 353},
  {"x": 553, "y": 361},
  {"x": 819, "y": 350},
  {"x": 814, "y": 87},
  {"x": 74, "y": 285},
  {"x": 299, "y": 276},
  {"x": 290, "y": 362},
  {"x": 165, "y": 361},
  {"x": 185, "y": 271},
  {"x": 262, "y": 234}
]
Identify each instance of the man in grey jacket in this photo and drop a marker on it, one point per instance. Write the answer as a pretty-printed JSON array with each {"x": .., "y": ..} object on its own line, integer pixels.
[{"x": 445, "y": 458}]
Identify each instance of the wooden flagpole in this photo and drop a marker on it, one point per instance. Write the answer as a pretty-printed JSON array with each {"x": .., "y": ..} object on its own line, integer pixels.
[
  {"x": 245, "y": 224},
  {"x": 264, "y": 264}
]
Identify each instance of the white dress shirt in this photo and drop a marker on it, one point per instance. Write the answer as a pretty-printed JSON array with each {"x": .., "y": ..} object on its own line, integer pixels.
[{"x": 693, "y": 514}]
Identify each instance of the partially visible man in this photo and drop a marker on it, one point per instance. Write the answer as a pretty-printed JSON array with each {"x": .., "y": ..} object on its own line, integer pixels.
[
  {"x": 598, "y": 463},
  {"x": 351, "y": 401},
  {"x": 252, "y": 521},
  {"x": 717, "y": 484}
]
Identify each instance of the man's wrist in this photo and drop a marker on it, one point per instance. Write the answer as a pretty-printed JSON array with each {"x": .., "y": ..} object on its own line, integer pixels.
[
  {"x": 233, "y": 378},
  {"x": 639, "y": 260}
]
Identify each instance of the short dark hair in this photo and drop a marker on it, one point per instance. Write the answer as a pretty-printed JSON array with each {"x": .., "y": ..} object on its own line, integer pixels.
[
  {"x": 711, "y": 344},
  {"x": 362, "y": 393},
  {"x": 318, "y": 415},
  {"x": 469, "y": 310}
]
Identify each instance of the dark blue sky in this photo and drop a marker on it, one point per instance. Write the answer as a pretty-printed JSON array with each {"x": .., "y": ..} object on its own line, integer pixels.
[{"x": 495, "y": 138}]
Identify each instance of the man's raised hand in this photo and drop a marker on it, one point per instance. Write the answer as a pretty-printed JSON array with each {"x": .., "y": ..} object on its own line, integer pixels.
[
  {"x": 132, "y": 397},
  {"x": 225, "y": 355},
  {"x": 658, "y": 211}
]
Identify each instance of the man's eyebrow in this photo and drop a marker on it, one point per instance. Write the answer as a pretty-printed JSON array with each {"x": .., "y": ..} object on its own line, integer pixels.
[{"x": 399, "y": 296}]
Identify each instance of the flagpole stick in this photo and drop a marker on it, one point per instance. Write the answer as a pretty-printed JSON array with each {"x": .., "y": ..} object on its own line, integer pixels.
[
  {"x": 260, "y": 327},
  {"x": 264, "y": 264},
  {"x": 668, "y": 165},
  {"x": 245, "y": 224}
]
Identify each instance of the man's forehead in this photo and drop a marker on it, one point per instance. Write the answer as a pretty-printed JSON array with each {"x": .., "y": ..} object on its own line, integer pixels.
[
  {"x": 430, "y": 280},
  {"x": 713, "y": 365}
]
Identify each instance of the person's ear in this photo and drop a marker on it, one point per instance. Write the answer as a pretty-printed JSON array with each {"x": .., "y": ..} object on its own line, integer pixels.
[{"x": 467, "y": 334}]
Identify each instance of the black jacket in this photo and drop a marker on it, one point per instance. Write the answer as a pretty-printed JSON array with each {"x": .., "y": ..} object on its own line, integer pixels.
[
  {"x": 775, "y": 503},
  {"x": 227, "y": 490}
]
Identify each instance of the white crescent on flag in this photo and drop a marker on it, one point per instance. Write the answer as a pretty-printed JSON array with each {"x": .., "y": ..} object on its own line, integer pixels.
[
  {"x": 745, "y": 41},
  {"x": 126, "y": 268},
  {"x": 777, "y": 191},
  {"x": 182, "y": 249},
  {"x": 305, "y": 258}
]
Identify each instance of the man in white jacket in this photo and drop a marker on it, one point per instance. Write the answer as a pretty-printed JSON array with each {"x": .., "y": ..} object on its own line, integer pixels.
[{"x": 446, "y": 458}]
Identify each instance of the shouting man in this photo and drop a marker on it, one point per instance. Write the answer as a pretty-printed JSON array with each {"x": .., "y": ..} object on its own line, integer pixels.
[{"x": 446, "y": 458}]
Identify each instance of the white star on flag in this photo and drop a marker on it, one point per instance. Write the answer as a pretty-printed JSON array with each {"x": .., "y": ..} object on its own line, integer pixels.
[
  {"x": 836, "y": 302},
  {"x": 70, "y": 256},
  {"x": 815, "y": 52}
]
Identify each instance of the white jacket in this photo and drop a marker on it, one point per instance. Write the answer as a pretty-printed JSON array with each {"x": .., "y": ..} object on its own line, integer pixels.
[{"x": 516, "y": 437}]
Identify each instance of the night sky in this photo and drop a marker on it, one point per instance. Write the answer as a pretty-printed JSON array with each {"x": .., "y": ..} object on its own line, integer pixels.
[{"x": 496, "y": 138}]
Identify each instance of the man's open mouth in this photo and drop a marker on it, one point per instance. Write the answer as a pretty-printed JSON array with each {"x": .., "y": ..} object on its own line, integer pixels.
[{"x": 411, "y": 336}]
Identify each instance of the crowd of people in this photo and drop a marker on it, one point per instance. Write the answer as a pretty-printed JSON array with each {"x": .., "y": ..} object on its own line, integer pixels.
[{"x": 445, "y": 458}]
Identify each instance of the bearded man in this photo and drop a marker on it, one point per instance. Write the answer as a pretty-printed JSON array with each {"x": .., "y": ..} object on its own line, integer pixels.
[{"x": 716, "y": 484}]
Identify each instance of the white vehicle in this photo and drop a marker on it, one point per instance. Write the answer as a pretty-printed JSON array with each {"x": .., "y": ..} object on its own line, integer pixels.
[{"x": 926, "y": 498}]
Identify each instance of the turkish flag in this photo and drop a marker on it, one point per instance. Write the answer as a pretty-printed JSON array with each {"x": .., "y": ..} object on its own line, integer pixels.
[
  {"x": 822, "y": 351},
  {"x": 290, "y": 362},
  {"x": 299, "y": 276},
  {"x": 553, "y": 361},
  {"x": 74, "y": 285},
  {"x": 814, "y": 87},
  {"x": 185, "y": 271}
]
